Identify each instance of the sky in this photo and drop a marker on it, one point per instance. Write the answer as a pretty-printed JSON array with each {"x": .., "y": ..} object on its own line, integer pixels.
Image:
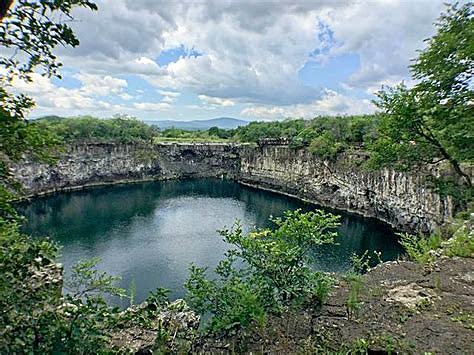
[{"x": 255, "y": 60}]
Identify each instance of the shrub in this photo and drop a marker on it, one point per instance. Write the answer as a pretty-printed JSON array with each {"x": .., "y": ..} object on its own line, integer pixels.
[
  {"x": 273, "y": 271},
  {"x": 420, "y": 249},
  {"x": 326, "y": 146},
  {"x": 461, "y": 243},
  {"x": 35, "y": 317}
]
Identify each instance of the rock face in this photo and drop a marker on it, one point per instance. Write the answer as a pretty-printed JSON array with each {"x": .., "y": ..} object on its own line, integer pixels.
[
  {"x": 106, "y": 163},
  {"x": 400, "y": 199}
]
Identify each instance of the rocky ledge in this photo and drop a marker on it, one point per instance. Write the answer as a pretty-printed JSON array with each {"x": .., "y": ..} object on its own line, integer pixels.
[{"x": 401, "y": 307}]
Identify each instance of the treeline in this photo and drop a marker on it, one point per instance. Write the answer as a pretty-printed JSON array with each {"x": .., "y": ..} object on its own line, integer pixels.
[
  {"x": 121, "y": 129},
  {"x": 325, "y": 136}
]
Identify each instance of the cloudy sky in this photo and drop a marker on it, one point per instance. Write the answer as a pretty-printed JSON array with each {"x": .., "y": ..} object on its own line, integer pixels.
[{"x": 247, "y": 59}]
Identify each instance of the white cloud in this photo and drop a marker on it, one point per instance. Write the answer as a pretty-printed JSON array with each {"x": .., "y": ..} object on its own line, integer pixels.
[
  {"x": 332, "y": 103},
  {"x": 49, "y": 96},
  {"x": 216, "y": 101},
  {"x": 125, "y": 96},
  {"x": 251, "y": 51},
  {"x": 169, "y": 93},
  {"x": 93, "y": 84},
  {"x": 169, "y": 96},
  {"x": 152, "y": 106},
  {"x": 385, "y": 35},
  {"x": 200, "y": 108}
]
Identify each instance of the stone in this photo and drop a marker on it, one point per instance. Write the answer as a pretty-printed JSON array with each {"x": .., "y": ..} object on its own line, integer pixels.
[{"x": 411, "y": 296}]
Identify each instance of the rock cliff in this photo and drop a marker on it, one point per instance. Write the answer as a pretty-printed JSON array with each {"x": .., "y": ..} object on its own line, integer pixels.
[
  {"x": 90, "y": 164},
  {"x": 400, "y": 199}
]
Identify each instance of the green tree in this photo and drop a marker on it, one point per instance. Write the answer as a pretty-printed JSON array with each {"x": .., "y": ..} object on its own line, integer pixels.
[
  {"x": 434, "y": 120},
  {"x": 29, "y": 33},
  {"x": 35, "y": 318}
]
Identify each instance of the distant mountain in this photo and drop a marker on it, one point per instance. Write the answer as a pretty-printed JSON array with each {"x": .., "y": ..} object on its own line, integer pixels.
[
  {"x": 195, "y": 125},
  {"x": 50, "y": 118}
]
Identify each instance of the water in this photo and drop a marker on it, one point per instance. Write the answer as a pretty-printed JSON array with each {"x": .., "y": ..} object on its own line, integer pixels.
[{"x": 149, "y": 233}]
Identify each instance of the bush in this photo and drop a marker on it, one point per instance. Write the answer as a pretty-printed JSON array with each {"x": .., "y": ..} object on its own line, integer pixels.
[
  {"x": 326, "y": 146},
  {"x": 420, "y": 249},
  {"x": 36, "y": 318},
  {"x": 273, "y": 271}
]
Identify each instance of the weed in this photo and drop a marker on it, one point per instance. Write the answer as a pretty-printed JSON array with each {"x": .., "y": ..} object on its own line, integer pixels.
[
  {"x": 420, "y": 249},
  {"x": 353, "y": 303}
]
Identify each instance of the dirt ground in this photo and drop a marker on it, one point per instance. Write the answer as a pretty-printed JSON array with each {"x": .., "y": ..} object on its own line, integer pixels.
[{"x": 401, "y": 307}]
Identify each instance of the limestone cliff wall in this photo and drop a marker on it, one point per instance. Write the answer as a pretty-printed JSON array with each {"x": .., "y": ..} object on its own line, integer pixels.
[
  {"x": 91, "y": 164},
  {"x": 400, "y": 199}
]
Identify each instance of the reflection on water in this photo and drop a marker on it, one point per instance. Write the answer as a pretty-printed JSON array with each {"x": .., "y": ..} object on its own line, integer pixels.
[{"x": 149, "y": 233}]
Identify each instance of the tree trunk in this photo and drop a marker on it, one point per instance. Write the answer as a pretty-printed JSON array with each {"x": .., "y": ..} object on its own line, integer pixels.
[{"x": 455, "y": 164}]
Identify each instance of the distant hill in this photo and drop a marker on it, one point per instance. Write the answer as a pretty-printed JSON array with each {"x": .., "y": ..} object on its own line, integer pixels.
[
  {"x": 195, "y": 125},
  {"x": 50, "y": 118}
]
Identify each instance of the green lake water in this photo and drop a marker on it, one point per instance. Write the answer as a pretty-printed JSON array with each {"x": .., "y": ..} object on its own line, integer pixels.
[{"x": 149, "y": 233}]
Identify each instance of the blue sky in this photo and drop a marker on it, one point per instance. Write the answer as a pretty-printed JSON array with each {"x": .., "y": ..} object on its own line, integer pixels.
[{"x": 251, "y": 60}]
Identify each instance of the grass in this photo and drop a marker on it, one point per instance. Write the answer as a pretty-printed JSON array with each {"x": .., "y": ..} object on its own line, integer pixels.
[{"x": 353, "y": 302}]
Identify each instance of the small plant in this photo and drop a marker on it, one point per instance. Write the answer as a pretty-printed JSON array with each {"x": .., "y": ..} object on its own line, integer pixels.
[
  {"x": 403, "y": 318},
  {"x": 353, "y": 302},
  {"x": 389, "y": 344},
  {"x": 466, "y": 319},
  {"x": 362, "y": 263},
  {"x": 161, "y": 341},
  {"x": 132, "y": 292},
  {"x": 87, "y": 280},
  {"x": 360, "y": 346}
]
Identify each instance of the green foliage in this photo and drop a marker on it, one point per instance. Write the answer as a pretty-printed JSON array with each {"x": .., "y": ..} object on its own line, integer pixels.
[
  {"x": 353, "y": 302},
  {"x": 35, "y": 317},
  {"x": 344, "y": 132},
  {"x": 461, "y": 243},
  {"x": 449, "y": 186},
  {"x": 433, "y": 120},
  {"x": 86, "y": 280},
  {"x": 181, "y": 135},
  {"x": 420, "y": 249},
  {"x": 121, "y": 129},
  {"x": 362, "y": 263},
  {"x": 29, "y": 34},
  {"x": 327, "y": 135},
  {"x": 26, "y": 306},
  {"x": 425, "y": 249},
  {"x": 326, "y": 146},
  {"x": 219, "y": 132},
  {"x": 144, "y": 315},
  {"x": 273, "y": 271},
  {"x": 231, "y": 301},
  {"x": 31, "y": 30}
]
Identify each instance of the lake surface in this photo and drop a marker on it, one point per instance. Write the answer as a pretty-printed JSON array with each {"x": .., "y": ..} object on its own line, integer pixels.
[{"x": 149, "y": 233}]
